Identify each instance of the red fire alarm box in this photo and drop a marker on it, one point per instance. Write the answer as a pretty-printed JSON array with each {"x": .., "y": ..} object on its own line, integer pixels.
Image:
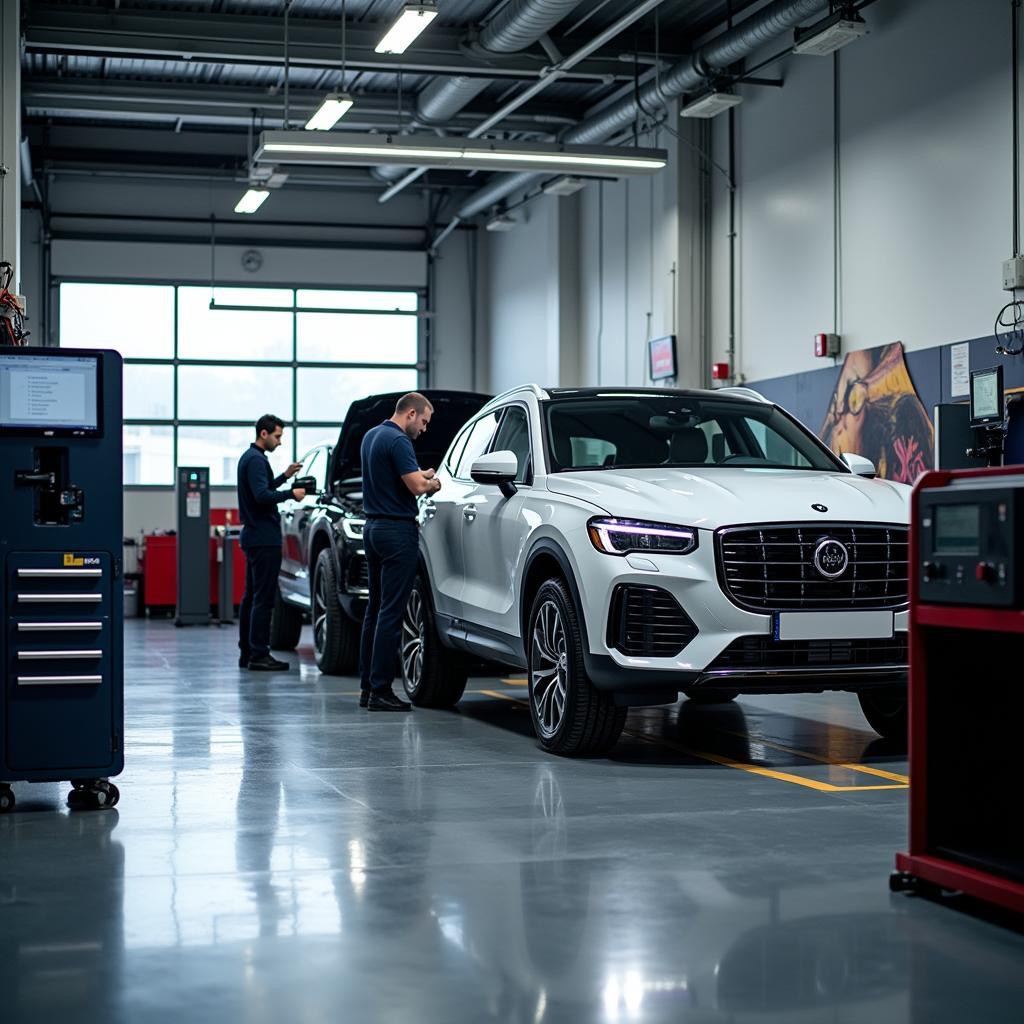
[
  {"x": 719, "y": 371},
  {"x": 826, "y": 345}
]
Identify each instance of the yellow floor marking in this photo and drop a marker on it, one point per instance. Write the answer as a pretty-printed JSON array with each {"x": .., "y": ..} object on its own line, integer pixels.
[
  {"x": 769, "y": 773},
  {"x": 851, "y": 765},
  {"x": 514, "y": 682}
]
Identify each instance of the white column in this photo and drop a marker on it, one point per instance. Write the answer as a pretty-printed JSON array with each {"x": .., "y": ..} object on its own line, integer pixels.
[{"x": 10, "y": 137}]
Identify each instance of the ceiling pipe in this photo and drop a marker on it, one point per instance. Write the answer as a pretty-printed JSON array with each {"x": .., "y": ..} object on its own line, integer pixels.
[
  {"x": 517, "y": 25},
  {"x": 689, "y": 74}
]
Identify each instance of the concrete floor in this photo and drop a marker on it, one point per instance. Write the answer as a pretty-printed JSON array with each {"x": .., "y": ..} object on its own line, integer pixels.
[{"x": 278, "y": 855}]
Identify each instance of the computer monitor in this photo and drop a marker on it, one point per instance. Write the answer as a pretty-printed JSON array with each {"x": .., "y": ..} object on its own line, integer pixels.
[
  {"x": 53, "y": 395},
  {"x": 661, "y": 353},
  {"x": 987, "y": 397}
]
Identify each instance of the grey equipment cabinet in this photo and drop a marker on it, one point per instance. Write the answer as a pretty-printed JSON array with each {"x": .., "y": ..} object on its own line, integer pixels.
[{"x": 62, "y": 601}]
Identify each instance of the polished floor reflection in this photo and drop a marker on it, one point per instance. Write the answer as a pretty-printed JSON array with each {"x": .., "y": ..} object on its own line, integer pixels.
[{"x": 280, "y": 855}]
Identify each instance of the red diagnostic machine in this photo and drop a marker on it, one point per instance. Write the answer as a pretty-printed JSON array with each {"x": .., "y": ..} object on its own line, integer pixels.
[{"x": 966, "y": 686}]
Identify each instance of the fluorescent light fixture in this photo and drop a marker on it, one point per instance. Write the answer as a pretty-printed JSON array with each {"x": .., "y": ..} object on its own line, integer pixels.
[
  {"x": 710, "y": 104},
  {"x": 343, "y": 149},
  {"x": 830, "y": 34},
  {"x": 334, "y": 107},
  {"x": 409, "y": 24},
  {"x": 503, "y": 222},
  {"x": 567, "y": 186},
  {"x": 252, "y": 200}
]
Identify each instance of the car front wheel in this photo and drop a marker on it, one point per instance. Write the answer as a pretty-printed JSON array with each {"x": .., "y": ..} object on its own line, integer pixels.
[
  {"x": 886, "y": 711},
  {"x": 434, "y": 676},
  {"x": 335, "y": 635},
  {"x": 571, "y": 717}
]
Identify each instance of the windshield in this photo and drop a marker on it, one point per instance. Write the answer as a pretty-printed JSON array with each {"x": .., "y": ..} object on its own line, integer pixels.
[{"x": 643, "y": 431}]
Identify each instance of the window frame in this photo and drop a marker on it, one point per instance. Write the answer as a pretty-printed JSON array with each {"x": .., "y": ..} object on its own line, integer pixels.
[
  {"x": 527, "y": 480},
  {"x": 470, "y": 427},
  {"x": 292, "y": 425}
]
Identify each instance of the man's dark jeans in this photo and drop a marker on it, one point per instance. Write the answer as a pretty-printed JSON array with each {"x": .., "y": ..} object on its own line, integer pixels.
[
  {"x": 261, "y": 568},
  {"x": 391, "y": 546}
]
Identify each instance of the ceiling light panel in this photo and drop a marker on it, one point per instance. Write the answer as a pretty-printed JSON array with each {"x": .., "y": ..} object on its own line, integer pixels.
[
  {"x": 465, "y": 154},
  {"x": 407, "y": 27},
  {"x": 334, "y": 107},
  {"x": 252, "y": 200},
  {"x": 710, "y": 104}
]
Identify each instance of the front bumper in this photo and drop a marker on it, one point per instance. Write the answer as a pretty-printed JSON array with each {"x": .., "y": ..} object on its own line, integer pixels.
[{"x": 722, "y": 627}]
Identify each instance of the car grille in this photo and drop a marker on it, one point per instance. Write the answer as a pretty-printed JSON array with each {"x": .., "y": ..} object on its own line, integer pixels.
[
  {"x": 357, "y": 577},
  {"x": 761, "y": 652},
  {"x": 647, "y": 622},
  {"x": 771, "y": 568}
]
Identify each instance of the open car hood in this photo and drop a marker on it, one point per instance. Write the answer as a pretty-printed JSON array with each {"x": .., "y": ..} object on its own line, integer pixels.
[{"x": 451, "y": 410}]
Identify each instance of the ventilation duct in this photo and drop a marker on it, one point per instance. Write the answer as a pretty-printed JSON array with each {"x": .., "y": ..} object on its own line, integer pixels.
[{"x": 691, "y": 73}]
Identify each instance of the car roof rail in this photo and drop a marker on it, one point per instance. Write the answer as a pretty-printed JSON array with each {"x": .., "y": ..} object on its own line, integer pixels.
[
  {"x": 535, "y": 389},
  {"x": 742, "y": 392}
]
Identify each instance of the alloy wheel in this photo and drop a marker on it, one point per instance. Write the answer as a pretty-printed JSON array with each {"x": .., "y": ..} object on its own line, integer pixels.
[
  {"x": 413, "y": 634},
  {"x": 320, "y": 597},
  {"x": 549, "y": 669}
]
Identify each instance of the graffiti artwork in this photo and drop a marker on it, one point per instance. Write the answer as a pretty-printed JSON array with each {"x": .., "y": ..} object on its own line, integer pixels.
[{"x": 875, "y": 412}]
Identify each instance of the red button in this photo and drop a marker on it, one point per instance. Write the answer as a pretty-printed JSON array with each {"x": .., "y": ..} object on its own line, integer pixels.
[{"x": 982, "y": 572}]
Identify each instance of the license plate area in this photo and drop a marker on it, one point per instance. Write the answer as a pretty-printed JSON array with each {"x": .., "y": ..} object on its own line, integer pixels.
[{"x": 857, "y": 625}]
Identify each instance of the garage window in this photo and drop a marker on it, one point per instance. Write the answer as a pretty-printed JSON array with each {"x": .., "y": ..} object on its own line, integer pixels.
[{"x": 196, "y": 378}]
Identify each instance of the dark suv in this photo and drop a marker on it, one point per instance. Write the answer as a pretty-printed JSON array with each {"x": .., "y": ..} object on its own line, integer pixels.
[{"x": 323, "y": 567}]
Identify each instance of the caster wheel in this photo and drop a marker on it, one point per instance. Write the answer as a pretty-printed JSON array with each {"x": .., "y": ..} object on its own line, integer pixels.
[
  {"x": 93, "y": 796},
  {"x": 900, "y": 881},
  {"x": 6, "y": 800}
]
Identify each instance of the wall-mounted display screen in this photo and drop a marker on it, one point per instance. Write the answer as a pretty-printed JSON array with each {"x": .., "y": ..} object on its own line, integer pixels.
[
  {"x": 957, "y": 529},
  {"x": 662, "y": 355},
  {"x": 987, "y": 397},
  {"x": 49, "y": 394}
]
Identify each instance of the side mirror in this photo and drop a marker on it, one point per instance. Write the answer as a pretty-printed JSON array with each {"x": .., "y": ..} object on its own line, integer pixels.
[
  {"x": 308, "y": 484},
  {"x": 859, "y": 465},
  {"x": 499, "y": 469}
]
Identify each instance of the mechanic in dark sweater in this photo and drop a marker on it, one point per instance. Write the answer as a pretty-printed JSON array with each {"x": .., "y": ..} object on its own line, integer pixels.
[
  {"x": 258, "y": 498},
  {"x": 392, "y": 481}
]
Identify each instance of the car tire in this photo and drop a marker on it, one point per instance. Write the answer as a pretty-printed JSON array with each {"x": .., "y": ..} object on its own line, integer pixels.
[
  {"x": 886, "y": 711},
  {"x": 712, "y": 696},
  {"x": 434, "y": 676},
  {"x": 588, "y": 724},
  {"x": 335, "y": 635},
  {"x": 285, "y": 625}
]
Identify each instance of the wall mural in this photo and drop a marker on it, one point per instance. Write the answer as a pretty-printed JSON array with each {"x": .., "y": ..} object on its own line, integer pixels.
[{"x": 875, "y": 411}]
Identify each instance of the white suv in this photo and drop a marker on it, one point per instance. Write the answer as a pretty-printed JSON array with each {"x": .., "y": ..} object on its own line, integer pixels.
[{"x": 623, "y": 546}]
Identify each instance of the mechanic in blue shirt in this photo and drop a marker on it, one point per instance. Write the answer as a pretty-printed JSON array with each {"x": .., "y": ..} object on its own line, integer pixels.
[
  {"x": 258, "y": 498},
  {"x": 392, "y": 481}
]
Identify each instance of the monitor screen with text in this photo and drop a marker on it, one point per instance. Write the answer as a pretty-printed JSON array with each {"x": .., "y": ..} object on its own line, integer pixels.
[{"x": 49, "y": 393}]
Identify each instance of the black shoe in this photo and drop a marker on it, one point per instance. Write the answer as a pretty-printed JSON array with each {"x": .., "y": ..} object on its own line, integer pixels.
[
  {"x": 385, "y": 700},
  {"x": 243, "y": 661},
  {"x": 268, "y": 664},
  {"x": 364, "y": 698}
]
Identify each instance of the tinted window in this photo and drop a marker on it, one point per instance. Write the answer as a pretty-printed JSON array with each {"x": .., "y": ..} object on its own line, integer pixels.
[
  {"x": 480, "y": 435},
  {"x": 623, "y": 431},
  {"x": 514, "y": 436},
  {"x": 455, "y": 451}
]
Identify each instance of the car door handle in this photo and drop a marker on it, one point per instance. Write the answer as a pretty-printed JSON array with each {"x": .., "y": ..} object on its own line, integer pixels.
[
  {"x": 429, "y": 509},
  {"x": 469, "y": 513}
]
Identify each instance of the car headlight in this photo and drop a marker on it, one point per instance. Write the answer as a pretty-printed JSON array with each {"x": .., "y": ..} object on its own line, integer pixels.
[
  {"x": 353, "y": 528},
  {"x": 622, "y": 536}
]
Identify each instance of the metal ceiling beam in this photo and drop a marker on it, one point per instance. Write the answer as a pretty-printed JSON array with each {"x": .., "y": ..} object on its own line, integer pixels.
[
  {"x": 229, "y": 106},
  {"x": 247, "y": 40}
]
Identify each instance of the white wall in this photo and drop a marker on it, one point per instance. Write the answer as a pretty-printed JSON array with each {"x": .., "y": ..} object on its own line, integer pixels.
[
  {"x": 579, "y": 286},
  {"x": 924, "y": 160}
]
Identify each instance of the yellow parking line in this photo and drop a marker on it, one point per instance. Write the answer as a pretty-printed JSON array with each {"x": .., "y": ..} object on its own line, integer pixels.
[
  {"x": 769, "y": 773},
  {"x": 851, "y": 765}
]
